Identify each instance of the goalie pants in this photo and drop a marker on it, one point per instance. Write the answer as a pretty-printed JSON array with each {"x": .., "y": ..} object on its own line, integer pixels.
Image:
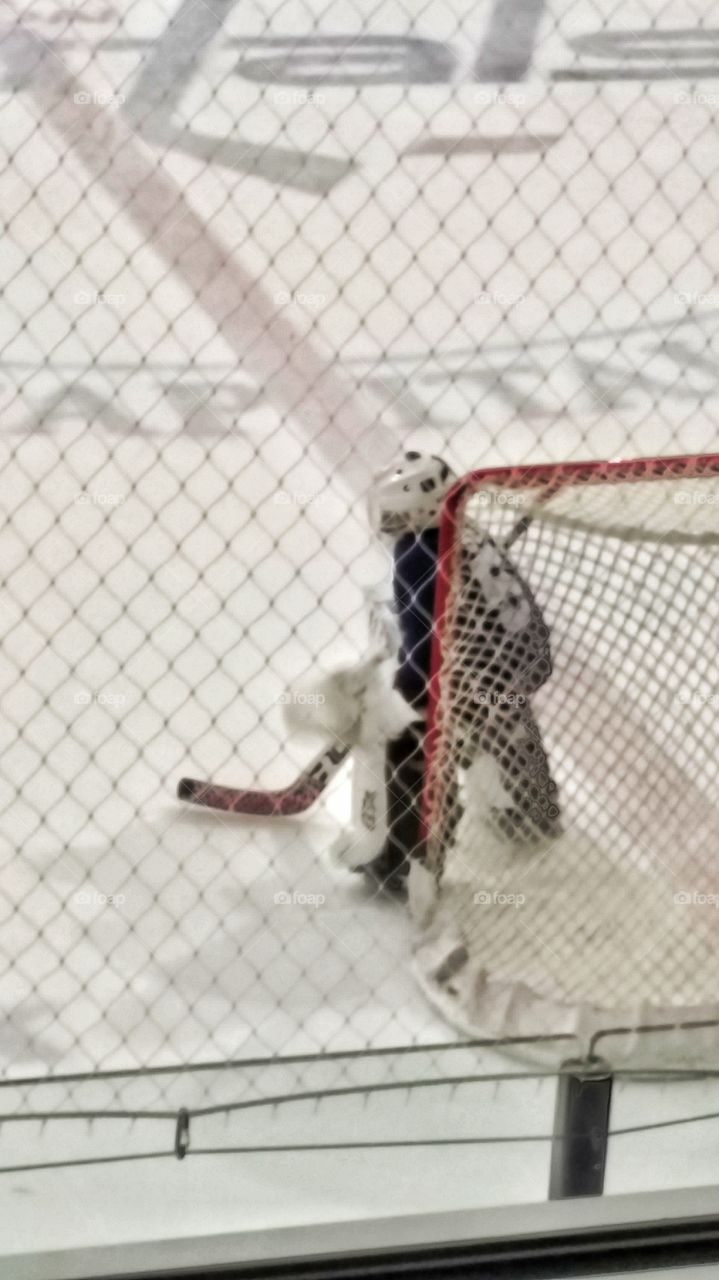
[
  {"x": 404, "y": 778},
  {"x": 530, "y": 812}
]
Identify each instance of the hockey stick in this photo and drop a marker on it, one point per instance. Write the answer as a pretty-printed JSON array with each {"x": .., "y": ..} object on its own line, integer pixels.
[
  {"x": 308, "y": 787},
  {"x": 282, "y": 803}
]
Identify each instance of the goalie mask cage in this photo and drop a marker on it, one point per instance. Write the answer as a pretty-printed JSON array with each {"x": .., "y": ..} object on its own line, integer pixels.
[{"x": 610, "y": 918}]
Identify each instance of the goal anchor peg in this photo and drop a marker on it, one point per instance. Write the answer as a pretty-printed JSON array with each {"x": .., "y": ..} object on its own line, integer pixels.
[
  {"x": 581, "y": 1129},
  {"x": 182, "y": 1133}
]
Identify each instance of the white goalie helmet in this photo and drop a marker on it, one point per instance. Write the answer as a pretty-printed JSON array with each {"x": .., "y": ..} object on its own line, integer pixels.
[{"x": 409, "y": 494}]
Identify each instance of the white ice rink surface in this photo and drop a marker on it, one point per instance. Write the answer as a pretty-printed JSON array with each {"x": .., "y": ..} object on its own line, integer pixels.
[{"x": 225, "y": 299}]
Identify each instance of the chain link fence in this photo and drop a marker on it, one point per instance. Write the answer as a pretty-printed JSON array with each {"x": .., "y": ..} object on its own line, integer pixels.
[{"x": 249, "y": 254}]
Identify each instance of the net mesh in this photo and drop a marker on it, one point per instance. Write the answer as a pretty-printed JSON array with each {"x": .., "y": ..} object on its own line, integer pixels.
[
  {"x": 251, "y": 253},
  {"x": 573, "y": 815}
]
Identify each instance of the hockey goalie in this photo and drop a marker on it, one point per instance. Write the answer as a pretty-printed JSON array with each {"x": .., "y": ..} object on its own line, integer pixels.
[
  {"x": 499, "y": 762},
  {"x": 497, "y": 750},
  {"x": 377, "y": 709}
]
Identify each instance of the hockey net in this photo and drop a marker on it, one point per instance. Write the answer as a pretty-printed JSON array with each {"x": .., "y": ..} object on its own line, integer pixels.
[{"x": 606, "y": 916}]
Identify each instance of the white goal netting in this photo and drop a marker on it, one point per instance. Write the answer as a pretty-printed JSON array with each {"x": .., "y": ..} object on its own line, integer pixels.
[{"x": 573, "y": 796}]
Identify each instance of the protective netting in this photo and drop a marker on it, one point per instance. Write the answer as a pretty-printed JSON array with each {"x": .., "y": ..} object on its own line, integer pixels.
[
  {"x": 250, "y": 253},
  {"x": 574, "y": 815}
]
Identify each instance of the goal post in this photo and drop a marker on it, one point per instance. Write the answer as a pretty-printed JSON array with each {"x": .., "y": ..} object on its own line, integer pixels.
[{"x": 571, "y": 805}]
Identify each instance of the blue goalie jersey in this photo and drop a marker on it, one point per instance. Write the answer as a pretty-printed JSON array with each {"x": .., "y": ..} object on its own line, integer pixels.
[{"x": 415, "y": 574}]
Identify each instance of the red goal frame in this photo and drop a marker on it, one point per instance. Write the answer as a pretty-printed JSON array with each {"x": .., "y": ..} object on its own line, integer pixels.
[{"x": 551, "y": 477}]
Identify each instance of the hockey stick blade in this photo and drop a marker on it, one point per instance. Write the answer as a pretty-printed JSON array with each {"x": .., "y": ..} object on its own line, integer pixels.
[{"x": 282, "y": 803}]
